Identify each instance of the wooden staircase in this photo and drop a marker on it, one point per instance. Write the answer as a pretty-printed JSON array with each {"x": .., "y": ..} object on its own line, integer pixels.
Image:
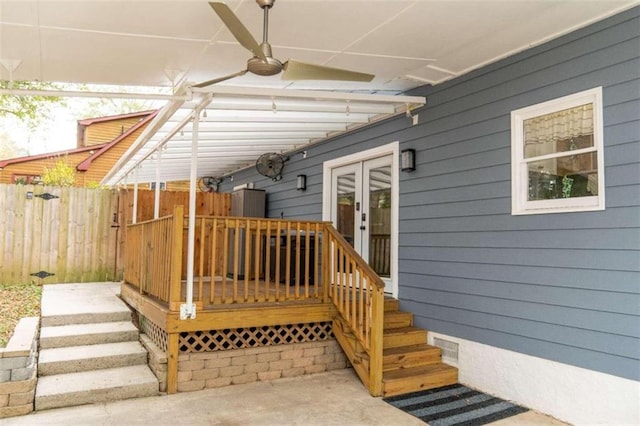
[{"x": 409, "y": 364}]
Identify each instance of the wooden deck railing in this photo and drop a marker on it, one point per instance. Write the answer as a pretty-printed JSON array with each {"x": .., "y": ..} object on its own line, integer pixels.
[
  {"x": 151, "y": 264},
  {"x": 358, "y": 294},
  {"x": 250, "y": 261}
]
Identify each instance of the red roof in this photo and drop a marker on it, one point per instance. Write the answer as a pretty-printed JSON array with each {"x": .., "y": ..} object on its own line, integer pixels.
[
  {"x": 88, "y": 121},
  {"x": 99, "y": 148},
  {"x": 4, "y": 163},
  {"x": 84, "y": 166}
]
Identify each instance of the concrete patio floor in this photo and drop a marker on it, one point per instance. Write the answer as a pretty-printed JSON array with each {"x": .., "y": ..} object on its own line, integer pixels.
[{"x": 334, "y": 398}]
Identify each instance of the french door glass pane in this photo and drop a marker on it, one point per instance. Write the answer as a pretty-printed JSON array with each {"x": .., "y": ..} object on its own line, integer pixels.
[
  {"x": 346, "y": 204},
  {"x": 380, "y": 220}
]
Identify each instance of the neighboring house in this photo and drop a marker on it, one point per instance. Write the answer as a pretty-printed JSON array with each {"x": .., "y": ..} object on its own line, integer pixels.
[
  {"x": 101, "y": 142},
  {"x": 538, "y": 305}
]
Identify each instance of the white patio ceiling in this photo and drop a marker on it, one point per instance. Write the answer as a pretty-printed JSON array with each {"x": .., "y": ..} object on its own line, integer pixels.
[
  {"x": 237, "y": 125},
  {"x": 405, "y": 43}
]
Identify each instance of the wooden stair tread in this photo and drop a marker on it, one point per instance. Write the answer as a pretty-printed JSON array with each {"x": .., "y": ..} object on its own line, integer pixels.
[
  {"x": 404, "y": 373},
  {"x": 406, "y": 380},
  {"x": 391, "y": 304},
  {"x": 403, "y": 336},
  {"x": 423, "y": 347},
  {"x": 403, "y": 357},
  {"x": 394, "y": 319}
]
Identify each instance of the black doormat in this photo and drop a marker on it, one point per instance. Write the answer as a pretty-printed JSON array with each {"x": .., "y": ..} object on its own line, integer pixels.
[{"x": 454, "y": 405}]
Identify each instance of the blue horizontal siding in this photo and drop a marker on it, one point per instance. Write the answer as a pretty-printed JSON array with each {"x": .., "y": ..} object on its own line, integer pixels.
[{"x": 564, "y": 287}]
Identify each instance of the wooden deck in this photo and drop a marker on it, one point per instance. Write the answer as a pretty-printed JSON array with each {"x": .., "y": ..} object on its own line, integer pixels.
[{"x": 269, "y": 273}]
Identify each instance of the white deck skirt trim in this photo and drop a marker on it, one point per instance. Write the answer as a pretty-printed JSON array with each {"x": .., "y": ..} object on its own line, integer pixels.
[{"x": 243, "y": 123}]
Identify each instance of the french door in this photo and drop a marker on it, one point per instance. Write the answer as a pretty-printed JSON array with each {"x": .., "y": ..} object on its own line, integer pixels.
[{"x": 362, "y": 197}]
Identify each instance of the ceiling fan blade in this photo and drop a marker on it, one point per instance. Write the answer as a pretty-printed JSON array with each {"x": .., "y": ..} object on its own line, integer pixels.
[
  {"x": 296, "y": 70},
  {"x": 220, "y": 79},
  {"x": 237, "y": 28}
]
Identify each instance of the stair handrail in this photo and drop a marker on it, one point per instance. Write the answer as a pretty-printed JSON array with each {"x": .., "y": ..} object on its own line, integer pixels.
[{"x": 357, "y": 292}]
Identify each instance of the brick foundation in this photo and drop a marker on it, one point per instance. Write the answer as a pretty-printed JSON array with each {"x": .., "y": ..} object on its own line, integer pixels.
[
  {"x": 205, "y": 370},
  {"x": 19, "y": 369}
]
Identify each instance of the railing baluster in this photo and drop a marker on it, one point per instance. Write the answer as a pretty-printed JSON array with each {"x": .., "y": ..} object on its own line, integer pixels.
[
  {"x": 278, "y": 259},
  {"x": 201, "y": 263},
  {"x": 236, "y": 259},
  {"x": 267, "y": 262},
  {"x": 225, "y": 260},
  {"x": 287, "y": 270},
  {"x": 247, "y": 260},
  {"x": 213, "y": 259},
  {"x": 256, "y": 262},
  {"x": 298, "y": 247}
]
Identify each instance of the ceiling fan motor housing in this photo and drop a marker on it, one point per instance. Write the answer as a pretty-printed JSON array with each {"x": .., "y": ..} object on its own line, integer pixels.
[{"x": 271, "y": 67}]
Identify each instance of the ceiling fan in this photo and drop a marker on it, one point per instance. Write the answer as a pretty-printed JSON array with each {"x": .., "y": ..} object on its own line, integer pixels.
[{"x": 263, "y": 63}]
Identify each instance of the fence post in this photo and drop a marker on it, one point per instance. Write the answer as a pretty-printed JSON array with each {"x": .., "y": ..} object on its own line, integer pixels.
[{"x": 176, "y": 258}]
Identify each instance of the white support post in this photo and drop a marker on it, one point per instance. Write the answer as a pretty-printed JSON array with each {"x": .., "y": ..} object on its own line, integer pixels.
[
  {"x": 134, "y": 219},
  {"x": 188, "y": 310},
  {"x": 156, "y": 200}
]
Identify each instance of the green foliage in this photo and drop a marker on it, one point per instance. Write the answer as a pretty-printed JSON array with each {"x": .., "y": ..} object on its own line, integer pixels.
[
  {"x": 62, "y": 174},
  {"x": 29, "y": 109},
  {"x": 21, "y": 181},
  {"x": 92, "y": 184}
]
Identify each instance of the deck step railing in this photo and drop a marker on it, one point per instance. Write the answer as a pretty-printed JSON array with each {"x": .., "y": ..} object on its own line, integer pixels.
[{"x": 358, "y": 295}]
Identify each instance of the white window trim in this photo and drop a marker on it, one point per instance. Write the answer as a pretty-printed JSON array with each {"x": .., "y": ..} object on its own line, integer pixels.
[{"x": 520, "y": 205}]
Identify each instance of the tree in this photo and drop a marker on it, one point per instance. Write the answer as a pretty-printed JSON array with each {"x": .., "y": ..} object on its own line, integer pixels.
[
  {"x": 62, "y": 174},
  {"x": 29, "y": 109}
]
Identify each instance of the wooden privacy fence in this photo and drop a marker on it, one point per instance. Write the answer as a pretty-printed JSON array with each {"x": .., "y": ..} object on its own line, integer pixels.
[{"x": 66, "y": 233}]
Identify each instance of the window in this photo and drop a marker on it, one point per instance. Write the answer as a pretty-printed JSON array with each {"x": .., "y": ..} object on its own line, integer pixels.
[
  {"x": 19, "y": 179},
  {"x": 557, "y": 160},
  {"x": 163, "y": 186}
]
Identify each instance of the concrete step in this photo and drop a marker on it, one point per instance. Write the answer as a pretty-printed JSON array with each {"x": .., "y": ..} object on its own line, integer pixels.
[
  {"x": 65, "y": 390},
  {"x": 403, "y": 336},
  {"x": 87, "y": 334},
  {"x": 64, "y": 304},
  {"x": 410, "y": 356},
  {"x": 86, "y": 318},
  {"x": 396, "y": 319},
  {"x": 74, "y": 359},
  {"x": 406, "y": 380}
]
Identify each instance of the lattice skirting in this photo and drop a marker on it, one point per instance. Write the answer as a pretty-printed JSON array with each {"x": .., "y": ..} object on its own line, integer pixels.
[
  {"x": 252, "y": 337},
  {"x": 153, "y": 331}
]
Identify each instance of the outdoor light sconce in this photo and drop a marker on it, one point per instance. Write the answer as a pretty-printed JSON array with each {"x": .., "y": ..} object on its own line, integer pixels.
[
  {"x": 301, "y": 183},
  {"x": 408, "y": 160}
]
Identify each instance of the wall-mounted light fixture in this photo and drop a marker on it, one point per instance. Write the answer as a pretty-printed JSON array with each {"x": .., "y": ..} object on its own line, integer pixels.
[
  {"x": 408, "y": 160},
  {"x": 301, "y": 183}
]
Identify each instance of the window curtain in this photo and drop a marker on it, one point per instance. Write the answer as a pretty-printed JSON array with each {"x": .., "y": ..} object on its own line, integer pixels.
[{"x": 549, "y": 128}]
